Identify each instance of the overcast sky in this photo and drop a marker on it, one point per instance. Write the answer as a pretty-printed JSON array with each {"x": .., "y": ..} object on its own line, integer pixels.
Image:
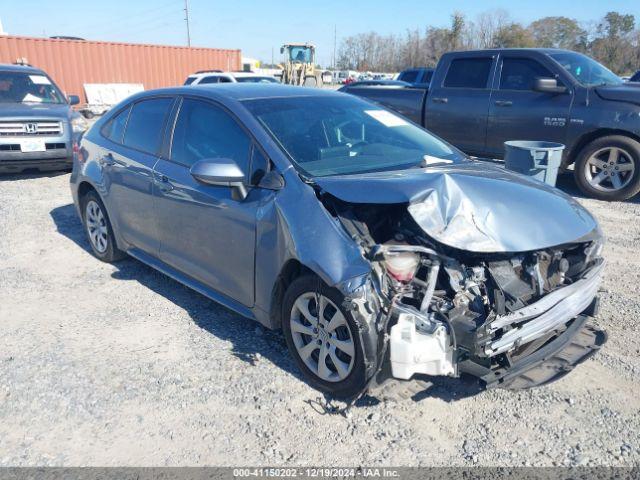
[{"x": 256, "y": 26}]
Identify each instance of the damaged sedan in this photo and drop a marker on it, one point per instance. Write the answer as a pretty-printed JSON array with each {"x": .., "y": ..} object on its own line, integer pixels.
[{"x": 379, "y": 250}]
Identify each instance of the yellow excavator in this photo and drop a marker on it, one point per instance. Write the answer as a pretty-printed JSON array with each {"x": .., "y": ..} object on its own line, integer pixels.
[{"x": 299, "y": 66}]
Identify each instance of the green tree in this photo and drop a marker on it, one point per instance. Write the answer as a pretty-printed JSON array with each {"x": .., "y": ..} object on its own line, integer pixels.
[
  {"x": 558, "y": 32},
  {"x": 513, "y": 35}
]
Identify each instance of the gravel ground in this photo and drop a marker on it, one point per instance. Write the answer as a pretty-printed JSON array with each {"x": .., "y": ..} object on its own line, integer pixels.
[{"x": 119, "y": 365}]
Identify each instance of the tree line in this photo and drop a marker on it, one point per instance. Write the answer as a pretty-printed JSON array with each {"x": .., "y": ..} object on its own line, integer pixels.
[{"x": 614, "y": 41}]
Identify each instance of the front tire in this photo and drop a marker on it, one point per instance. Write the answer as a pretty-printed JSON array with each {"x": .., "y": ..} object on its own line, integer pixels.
[
  {"x": 98, "y": 229},
  {"x": 609, "y": 168},
  {"x": 323, "y": 337}
]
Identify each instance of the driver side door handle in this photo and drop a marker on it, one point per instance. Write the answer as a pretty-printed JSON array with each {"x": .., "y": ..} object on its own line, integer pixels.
[{"x": 163, "y": 183}]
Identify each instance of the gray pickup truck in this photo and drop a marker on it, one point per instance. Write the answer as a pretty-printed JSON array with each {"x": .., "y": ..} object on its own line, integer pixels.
[
  {"x": 38, "y": 127},
  {"x": 477, "y": 100}
]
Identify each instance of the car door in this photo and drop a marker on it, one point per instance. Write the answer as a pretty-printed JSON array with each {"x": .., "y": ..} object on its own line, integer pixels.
[
  {"x": 207, "y": 232},
  {"x": 128, "y": 165},
  {"x": 458, "y": 106},
  {"x": 517, "y": 112}
]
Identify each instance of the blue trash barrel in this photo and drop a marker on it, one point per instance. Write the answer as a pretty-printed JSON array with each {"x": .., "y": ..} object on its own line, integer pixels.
[{"x": 540, "y": 160}]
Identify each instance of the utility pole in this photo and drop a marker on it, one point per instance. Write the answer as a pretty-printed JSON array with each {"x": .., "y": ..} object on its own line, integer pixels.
[
  {"x": 186, "y": 18},
  {"x": 335, "y": 36}
]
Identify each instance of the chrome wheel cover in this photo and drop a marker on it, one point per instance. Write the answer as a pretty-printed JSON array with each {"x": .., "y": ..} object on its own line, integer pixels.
[
  {"x": 322, "y": 337},
  {"x": 96, "y": 224},
  {"x": 609, "y": 169}
]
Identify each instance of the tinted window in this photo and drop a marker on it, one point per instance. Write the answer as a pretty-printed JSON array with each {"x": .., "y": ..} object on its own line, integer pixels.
[
  {"x": 145, "y": 125},
  {"x": 189, "y": 80},
  {"x": 259, "y": 165},
  {"x": 225, "y": 80},
  {"x": 114, "y": 129},
  {"x": 521, "y": 73},
  {"x": 205, "y": 131},
  {"x": 408, "y": 76},
  {"x": 468, "y": 73},
  {"x": 427, "y": 76},
  {"x": 210, "y": 80}
]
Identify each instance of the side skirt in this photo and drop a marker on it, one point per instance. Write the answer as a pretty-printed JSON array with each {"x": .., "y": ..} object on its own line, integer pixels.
[{"x": 193, "y": 284}]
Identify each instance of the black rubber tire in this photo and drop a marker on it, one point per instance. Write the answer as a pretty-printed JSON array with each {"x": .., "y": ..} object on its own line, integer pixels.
[
  {"x": 629, "y": 145},
  {"x": 356, "y": 380},
  {"x": 112, "y": 252},
  {"x": 88, "y": 114}
]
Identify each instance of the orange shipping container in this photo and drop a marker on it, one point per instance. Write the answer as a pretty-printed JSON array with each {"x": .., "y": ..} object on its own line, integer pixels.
[{"x": 72, "y": 63}]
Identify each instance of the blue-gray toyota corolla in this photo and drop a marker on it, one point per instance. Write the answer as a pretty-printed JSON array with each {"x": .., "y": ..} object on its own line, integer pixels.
[{"x": 380, "y": 250}]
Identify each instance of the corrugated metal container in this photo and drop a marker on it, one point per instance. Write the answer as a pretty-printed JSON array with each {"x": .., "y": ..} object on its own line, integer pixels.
[{"x": 72, "y": 63}]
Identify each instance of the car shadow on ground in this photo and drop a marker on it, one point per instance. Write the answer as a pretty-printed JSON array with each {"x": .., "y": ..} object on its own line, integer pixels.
[{"x": 249, "y": 339}]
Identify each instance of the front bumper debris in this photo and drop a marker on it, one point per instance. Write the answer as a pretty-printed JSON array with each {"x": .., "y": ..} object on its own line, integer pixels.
[
  {"x": 554, "y": 360},
  {"x": 546, "y": 315}
]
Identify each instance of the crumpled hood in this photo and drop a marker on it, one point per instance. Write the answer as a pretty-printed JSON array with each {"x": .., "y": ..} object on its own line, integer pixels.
[
  {"x": 35, "y": 110},
  {"x": 627, "y": 92},
  {"x": 474, "y": 206}
]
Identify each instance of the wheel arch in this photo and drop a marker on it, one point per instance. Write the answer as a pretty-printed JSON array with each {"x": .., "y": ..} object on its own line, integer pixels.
[
  {"x": 292, "y": 269},
  {"x": 589, "y": 137},
  {"x": 85, "y": 187}
]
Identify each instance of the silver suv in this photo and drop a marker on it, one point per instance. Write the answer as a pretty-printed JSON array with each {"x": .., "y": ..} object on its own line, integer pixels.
[{"x": 38, "y": 127}]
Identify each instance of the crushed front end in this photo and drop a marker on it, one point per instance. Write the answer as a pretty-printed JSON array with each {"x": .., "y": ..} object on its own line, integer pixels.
[{"x": 510, "y": 319}]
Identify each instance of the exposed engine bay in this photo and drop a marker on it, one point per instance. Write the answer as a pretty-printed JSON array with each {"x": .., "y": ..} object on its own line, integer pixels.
[{"x": 452, "y": 311}]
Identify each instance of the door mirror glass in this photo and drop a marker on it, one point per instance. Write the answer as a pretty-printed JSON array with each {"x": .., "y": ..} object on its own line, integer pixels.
[
  {"x": 548, "y": 85},
  {"x": 220, "y": 172},
  {"x": 74, "y": 99}
]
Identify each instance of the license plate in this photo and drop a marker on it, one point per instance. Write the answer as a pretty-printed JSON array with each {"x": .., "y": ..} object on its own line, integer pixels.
[{"x": 33, "y": 145}]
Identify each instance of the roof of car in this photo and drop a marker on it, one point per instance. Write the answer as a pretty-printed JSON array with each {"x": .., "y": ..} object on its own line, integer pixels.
[
  {"x": 244, "y": 91},
  {"x": 241, "y": 91},
  {"x": 231, "y": 74},
  {"x": 512, "y": 50},
  {"x": 7, "y": 67}
]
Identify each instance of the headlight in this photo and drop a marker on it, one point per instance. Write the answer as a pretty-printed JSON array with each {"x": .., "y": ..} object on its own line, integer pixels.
[{"x": 79, "y": 124}]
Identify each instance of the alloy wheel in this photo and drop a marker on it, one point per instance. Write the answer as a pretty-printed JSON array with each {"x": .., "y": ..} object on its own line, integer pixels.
[
  {"x": 96, "y": 226},
  {"x": 609, "y": 169},
  {"x": 322, "y": 337}
]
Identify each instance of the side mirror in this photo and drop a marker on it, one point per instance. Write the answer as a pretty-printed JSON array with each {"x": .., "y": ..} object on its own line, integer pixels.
[
  {"x": 220, "y": 172},
  {"x": 548, "y": 85},
  {"x": 74, "y": 99}
]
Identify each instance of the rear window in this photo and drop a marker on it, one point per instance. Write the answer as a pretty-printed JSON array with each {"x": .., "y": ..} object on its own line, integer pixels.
[
  {"x": 468, "y": 73},
  {"x": 409, "y": 76},
  {"x": 189, "y": 80},
  {"x": 146, "y": 123}
]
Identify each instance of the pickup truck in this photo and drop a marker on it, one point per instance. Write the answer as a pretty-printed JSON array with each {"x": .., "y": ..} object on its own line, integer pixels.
[{"x": 477, "y": 100}]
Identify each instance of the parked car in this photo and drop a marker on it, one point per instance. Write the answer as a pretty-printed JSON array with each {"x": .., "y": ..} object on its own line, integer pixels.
[
  {"x": 217, "y": 76},
  {"x": 38, "y": 127},
  {"x": 417, "y": 76},
  {"x": 478, "y": 100},
  {"x": 364, "y": 237},
  {"x": 635, "y": 77}
]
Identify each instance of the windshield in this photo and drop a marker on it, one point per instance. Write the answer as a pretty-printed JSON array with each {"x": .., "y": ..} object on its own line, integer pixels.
[
  {"x": 256, "y": 79},
  {"x": 586, "y": 70},
  {"x": 18, "y": 87},
  {"x": 333, "y": 135},
  {"x": 300, "y": 54}
]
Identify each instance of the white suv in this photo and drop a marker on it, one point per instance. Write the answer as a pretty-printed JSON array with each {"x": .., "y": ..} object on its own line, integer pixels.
[{"x": 218, "y": 76}]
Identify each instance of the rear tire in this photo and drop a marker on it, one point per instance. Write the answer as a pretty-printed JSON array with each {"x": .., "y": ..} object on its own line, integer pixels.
[
  {"x": 98, "y": 229},
  {"x": 608, "y": 168},
  {"x": 325, "y": 347}
]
